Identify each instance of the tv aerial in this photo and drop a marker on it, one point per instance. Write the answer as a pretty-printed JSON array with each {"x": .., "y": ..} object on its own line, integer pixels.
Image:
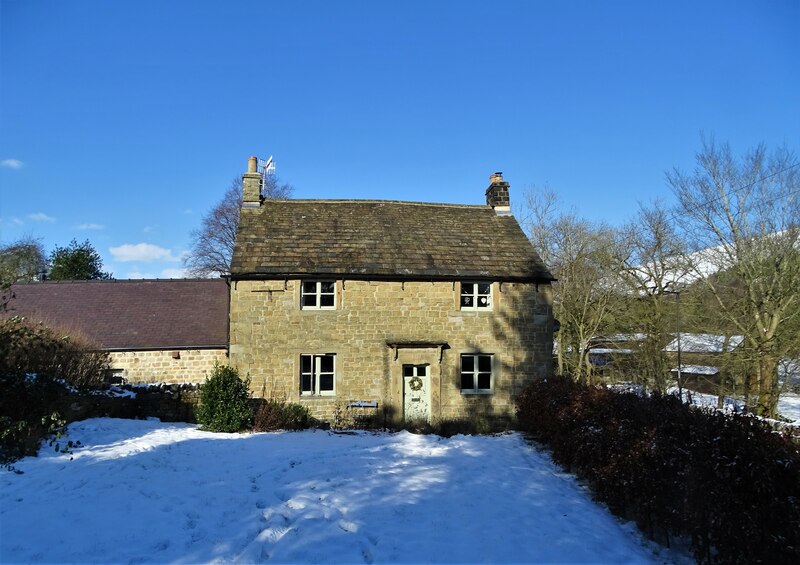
[{"x": 266, "y": 168}]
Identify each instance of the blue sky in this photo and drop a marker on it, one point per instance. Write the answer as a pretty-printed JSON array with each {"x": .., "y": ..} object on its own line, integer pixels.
[{"x": 124, "y": 122}]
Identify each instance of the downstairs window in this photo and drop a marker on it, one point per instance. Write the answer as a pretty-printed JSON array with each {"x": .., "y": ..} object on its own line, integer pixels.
[
  {"x": 317, "y": 374},
  {"x": 476, "y": 373}
]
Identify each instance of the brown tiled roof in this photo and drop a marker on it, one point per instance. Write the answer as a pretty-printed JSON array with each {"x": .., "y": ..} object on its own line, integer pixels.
[
  {"x": 130, "y": 314},
  {"x": 383, "y": 239}
]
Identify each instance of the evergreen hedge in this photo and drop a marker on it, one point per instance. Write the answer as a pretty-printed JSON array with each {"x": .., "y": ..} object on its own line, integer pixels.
[{"x": 225, "y": 401}]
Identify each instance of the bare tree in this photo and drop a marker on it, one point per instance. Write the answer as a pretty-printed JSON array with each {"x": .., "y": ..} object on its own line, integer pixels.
[
  {"x": 22, "y": 261},
  {"x": 581, "y": 256},
  {"x": 212, "y": 248},
  {"x": 743, "y": 214},
  {"x": 654, "y": 270}
]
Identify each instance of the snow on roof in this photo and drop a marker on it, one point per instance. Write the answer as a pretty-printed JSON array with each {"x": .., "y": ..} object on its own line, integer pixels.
[
  {"x": 697, "y": 370},
  {"x": 625, "y": 337},
  {"x": 606, "y": 350},
  {"x": 704, "y": 343}
]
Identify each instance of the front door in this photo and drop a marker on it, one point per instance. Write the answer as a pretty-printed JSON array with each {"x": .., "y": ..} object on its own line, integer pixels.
[{"x": 416, "y": 393}]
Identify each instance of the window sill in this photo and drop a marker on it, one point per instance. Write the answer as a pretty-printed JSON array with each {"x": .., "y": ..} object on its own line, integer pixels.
[{"x": 477, "y": 392}]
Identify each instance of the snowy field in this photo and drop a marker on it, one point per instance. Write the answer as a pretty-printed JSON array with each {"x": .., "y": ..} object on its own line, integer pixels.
[
  {"x": 151, "y": 492},
  {"x": 788, "y": 403}
]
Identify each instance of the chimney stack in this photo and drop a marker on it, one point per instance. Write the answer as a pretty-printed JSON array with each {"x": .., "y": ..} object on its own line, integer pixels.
[
  {"x": 497, "y": 195},
  {"x": 251, "y": 185}
]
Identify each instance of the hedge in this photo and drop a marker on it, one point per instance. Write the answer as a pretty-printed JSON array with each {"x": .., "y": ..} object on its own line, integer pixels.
[{"x": 727, "y": 482}]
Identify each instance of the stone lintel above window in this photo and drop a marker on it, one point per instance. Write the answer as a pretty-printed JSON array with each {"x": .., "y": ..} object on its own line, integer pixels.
[{"x": 398, "y": 345}]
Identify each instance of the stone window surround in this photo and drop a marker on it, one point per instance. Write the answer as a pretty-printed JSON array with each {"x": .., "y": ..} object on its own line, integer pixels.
[
  {"x": 492, "y": 373},
  {"x": 318, "y": 294},
  {"x": 475, "y": 295},
  {"x": 314, "y": 373}
]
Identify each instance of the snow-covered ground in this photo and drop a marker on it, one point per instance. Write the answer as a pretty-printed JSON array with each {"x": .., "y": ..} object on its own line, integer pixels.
[
  {"x": 151, "y": 492},
  {"x": 789, "y": 407},
  {"x": 788, "y": 403}
]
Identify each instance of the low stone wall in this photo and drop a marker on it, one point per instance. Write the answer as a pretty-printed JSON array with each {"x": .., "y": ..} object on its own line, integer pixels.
[
  {"x": 167, "y": 366},
  {"x": 167, "y": 402}
]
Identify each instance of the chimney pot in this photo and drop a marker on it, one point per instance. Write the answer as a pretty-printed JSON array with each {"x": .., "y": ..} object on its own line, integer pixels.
[
  {"x": 496, "y": 177},
  {"x": 252, "y": 164}
]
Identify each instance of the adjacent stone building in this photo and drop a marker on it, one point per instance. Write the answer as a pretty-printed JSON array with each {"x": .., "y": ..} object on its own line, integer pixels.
[
  {"x": 413, "y": 310},
  {"x": 154, "y": 331}
]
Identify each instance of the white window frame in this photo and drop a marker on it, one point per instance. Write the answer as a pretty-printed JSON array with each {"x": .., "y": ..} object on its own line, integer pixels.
[
  {"x": 315, "y": 373},
  {"x": 114, "y": 373},
  {"x": 475, "y": 373},
  {"x": 317, "y": 294},
  {"x": 475, "y": 296}
]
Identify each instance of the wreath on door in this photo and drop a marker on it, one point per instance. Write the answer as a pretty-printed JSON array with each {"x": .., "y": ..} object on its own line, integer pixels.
[{"x": 415, "y": 384}]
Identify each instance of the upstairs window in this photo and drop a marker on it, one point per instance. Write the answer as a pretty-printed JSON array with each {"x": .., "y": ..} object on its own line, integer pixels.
[
  {"x": 476, "y": 373},
  {"x": 318, "y": 295},
  {"x": 476, "y": 296},
  {"x": 317, "y": 374}
]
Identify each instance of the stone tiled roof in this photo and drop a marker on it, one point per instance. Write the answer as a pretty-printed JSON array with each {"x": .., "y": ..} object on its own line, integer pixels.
[
  {"x": 130, "y": 314},
  {"x": 364, "y": 238}
]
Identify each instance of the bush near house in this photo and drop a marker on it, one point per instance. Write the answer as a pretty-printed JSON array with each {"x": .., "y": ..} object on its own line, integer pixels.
[
  {"x": 277, "y": 414},
  {"x": 38, "y": 365},
  {"x": 728, "y": 482},
  {"x": 225, "y": 401}
]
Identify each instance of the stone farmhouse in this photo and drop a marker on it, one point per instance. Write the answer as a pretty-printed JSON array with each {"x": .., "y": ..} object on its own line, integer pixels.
[
  {"x": 407, "y": 309},
  {"x": 154, "y": 331}
]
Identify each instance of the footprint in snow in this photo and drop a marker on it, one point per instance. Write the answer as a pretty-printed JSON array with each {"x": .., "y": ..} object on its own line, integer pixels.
[
  {"x": 296, "y": 504},
  {"x": 161, "y": 545},
  {"x": 348, "y": 526},
  {"x": 273, "y": 535}
]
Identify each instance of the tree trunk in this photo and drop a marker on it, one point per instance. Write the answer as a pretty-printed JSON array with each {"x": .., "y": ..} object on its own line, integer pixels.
[
  {"x": 747, "y": 390},
  {"x": 587, "y": 363},
  {"x": 560, "y": 355},
  {"x": 768, "y": 385}
]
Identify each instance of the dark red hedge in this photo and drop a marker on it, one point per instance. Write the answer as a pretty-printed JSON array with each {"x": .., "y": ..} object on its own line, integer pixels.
[{"x": 728, "y": 482}]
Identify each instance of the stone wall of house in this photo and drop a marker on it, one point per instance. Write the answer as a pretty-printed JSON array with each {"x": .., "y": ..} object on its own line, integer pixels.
[
  {"x": 377, "y": 327},
  {"x": 171, "y": 366}
]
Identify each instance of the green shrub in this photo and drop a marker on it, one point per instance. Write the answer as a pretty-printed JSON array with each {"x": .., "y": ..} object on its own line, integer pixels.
[
  {"x": 276, "y": 414},
  {"x": 225, "y": 401}
]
